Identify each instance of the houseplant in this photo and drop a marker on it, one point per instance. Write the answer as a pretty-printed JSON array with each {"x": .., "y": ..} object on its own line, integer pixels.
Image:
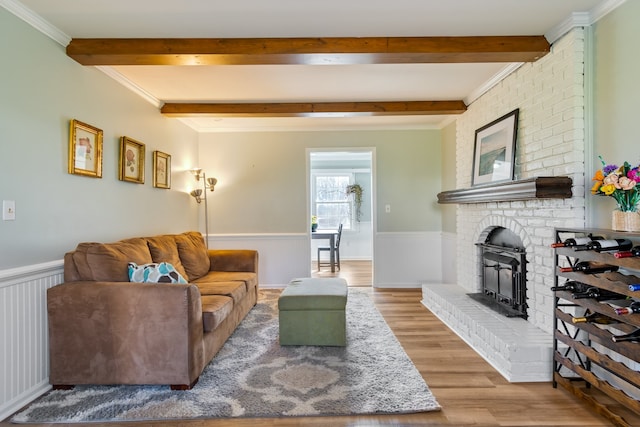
[
  {"x": 356, "y": 190},
  {"x": 621, "y": 183}
]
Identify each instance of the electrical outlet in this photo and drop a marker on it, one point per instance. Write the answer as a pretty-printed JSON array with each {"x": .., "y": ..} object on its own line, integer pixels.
[{"x": 8, "y": 210}]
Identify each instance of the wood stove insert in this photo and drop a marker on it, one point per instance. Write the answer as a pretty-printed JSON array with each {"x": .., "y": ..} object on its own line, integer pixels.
[{"x": 503, "y": 270}]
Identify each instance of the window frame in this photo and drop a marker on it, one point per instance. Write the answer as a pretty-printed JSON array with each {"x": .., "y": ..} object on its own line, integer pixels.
[{"x": 349, "y": 200}]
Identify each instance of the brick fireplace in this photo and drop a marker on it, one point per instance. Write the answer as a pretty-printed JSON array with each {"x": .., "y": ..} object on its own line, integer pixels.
[{"x": 550, "y": 96}]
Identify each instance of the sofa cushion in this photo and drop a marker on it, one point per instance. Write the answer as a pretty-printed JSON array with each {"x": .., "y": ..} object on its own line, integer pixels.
[
  {"x": 250, "y": 279},
  {"x": 193, "y": 254},
  {"x": 162, "y": 272},
  {"x": 235, "y": 290},
  {"x": 108, "y": 262},
  {"x": 215, "y": 308},
  {"x": 164, "y": 249}
]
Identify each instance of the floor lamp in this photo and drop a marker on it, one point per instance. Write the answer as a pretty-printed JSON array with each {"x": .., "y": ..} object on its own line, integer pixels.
[{"x": 200, "y": 193}]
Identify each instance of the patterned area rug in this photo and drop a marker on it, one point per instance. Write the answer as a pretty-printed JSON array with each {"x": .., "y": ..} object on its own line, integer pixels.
[{"x": 253, "y": 376}]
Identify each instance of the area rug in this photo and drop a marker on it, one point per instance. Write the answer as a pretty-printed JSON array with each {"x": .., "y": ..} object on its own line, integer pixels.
[{"x": 253, "y": 376}]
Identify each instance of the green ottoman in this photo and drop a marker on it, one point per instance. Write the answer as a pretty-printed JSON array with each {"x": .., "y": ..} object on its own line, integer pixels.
[{"x": 312, "y": 312}]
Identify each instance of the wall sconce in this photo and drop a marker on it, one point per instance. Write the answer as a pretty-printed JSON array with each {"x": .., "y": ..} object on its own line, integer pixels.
[{"x": 199, "y": 194}]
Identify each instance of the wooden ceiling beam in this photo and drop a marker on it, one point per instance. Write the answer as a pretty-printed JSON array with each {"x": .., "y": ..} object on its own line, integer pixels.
[
  {"x": 310, "y": 109},
  {"x": 310, "y": 51}
]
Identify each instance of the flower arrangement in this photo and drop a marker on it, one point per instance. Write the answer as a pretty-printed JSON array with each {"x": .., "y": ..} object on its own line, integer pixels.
[{"x": 619, "y": 183}]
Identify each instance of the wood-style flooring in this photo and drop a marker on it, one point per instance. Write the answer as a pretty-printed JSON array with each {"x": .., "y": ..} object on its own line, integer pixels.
[{"x": 469, "y": 390}]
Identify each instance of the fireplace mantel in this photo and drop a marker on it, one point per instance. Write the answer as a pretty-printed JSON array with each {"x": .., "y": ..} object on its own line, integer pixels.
[{"x": 544, "y": 187}]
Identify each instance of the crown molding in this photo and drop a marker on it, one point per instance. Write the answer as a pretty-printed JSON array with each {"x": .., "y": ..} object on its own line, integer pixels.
[
  {"x": 582, "y": 19},
  {"x": 497, "y": 78},
  {"x": 111, "y": 72},
  {"x": 36, "y": 21},
  {"x": 46, "y": 28}
]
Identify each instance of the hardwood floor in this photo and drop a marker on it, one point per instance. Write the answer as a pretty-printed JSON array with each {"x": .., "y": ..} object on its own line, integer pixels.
[
  {"x": 469, "y": 390},
  {"x": 356, "y": 273}
]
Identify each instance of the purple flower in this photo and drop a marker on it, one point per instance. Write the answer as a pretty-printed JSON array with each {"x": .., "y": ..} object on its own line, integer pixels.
[{"x": 609, "y": 168}]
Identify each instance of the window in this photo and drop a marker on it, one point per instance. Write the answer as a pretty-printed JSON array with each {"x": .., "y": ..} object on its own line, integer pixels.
[{"x": 331, "y": 204}]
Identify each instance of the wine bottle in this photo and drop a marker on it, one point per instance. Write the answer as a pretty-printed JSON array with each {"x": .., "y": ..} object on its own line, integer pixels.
[
  {"x": 576, "y": 241},
  {"x": 597, "y": 294},
  {"x": 634, "y": 307},
  {"x": 589, "y": 267},
  {"x": 633, "y": 336},
  {"x": 571, "y": 286},
  {"x": 635, "y": 251},
  {"x": 594, "y": 318},
  {"x": 607, "y": 245}
]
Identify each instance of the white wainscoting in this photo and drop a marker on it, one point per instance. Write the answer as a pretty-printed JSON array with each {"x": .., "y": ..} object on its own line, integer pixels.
[
  {"x": 282, "y": 257},
  {"x": 403, "y": 260},
  {"x": 24, "y": 342}
]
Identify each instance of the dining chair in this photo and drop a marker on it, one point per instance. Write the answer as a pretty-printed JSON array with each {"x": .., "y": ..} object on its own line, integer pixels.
[{"x": 328, "y": 249}]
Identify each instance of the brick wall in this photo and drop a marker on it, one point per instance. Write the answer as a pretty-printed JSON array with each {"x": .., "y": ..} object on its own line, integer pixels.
[{"x": 550, "y": 96}]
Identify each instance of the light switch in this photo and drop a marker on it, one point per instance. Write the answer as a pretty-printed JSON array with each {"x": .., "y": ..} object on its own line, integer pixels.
[
  {"x": 8, "y": 210},
  {"x": 387, "y": 208}
]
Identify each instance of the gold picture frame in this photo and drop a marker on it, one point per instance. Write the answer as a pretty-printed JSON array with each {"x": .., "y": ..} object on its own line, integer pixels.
[
  {"x": 85, "y": 149},
  {"x": 161, "y": 170},
  {"x": 131, "y": 165}
]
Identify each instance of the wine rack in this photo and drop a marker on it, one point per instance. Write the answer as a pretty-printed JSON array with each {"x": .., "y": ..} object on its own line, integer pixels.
[{"x": 586, "y": 360}]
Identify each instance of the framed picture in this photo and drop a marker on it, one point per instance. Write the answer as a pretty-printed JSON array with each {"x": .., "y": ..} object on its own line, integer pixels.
[
  {"x": 85, "y": 149},
  {"x": 494, "y": 150},
  {"x": 161, "y": 170},
  {"x": 131, "y": 165}
]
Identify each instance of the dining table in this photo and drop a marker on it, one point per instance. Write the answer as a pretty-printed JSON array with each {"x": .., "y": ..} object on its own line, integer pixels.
[{"x": 331, "y": 236}]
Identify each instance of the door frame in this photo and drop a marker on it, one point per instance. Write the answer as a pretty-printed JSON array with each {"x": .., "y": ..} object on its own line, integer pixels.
[{"x": 374, "y": 222}]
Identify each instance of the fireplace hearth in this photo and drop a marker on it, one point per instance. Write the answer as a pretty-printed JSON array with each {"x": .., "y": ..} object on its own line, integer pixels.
[{"x": 502, "y": 259}]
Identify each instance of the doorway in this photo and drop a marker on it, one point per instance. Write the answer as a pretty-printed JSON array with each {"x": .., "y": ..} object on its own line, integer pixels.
[{"x": 330, "y": 172}]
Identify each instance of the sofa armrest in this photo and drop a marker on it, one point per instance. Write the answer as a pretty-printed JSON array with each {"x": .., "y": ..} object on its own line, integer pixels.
[
  {"x": 234, "y": 260},
  {"x": 125, "y": 333}
]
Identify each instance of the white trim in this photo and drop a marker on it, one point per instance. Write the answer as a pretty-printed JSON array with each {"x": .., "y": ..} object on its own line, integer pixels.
[
  {"x": 36, "y": 21},
  {"x": 16, "y": 275},
  {"x": 576, "y": 19},
  {"x": 589, "y": 119},
  {"x": 602, "y": 9},
  {"x": 124, "y": 81},
  {"x": 497, "y": 78},
  {"x": 582, "y": 19}
]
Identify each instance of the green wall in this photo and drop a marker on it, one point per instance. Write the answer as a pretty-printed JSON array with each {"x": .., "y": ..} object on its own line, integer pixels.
[
  {"x": 41, "y": 90},
  {"x": 616, "y": 39},
  {"x": 262, "y": 182}
]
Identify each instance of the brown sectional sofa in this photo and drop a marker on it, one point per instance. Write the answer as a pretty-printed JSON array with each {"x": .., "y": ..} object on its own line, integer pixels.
[{"x": 104, "y": 329}]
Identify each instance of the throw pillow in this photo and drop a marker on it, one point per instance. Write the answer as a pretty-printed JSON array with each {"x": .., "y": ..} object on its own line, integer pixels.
[
  {"x": 164, "y": 249},
  {"x": 162, "y": 272}
]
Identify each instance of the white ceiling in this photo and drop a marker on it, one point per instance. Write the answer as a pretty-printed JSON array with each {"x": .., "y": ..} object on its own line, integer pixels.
[{"x": 65, "y": 19}]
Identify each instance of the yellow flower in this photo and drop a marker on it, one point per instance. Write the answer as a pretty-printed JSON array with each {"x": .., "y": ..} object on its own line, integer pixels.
[{"x": 608, "y": 189}]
